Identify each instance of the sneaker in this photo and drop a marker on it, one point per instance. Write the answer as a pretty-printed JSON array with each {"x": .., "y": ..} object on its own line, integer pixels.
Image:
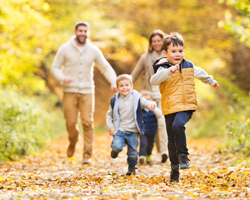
[
  {"x": 164, "y": 157},
  {"x": 174, "y": 174},
  {"x": 114, "y": 154},
  {"x": 142, "y": 160},
  {"x": 86, "y": 161},
  {"x": 70, "y": 150},
  {"x": 148, "y": 159},
  {"x": 184, "y": 161}
]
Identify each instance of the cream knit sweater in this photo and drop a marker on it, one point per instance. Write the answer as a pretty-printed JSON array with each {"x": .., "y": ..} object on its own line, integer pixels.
[
  {"x": 144, "y": 67},
  {"x": 79, "y": 65}
]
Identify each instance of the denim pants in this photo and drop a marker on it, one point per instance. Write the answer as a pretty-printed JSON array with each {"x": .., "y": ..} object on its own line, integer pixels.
[
  {"x": 121, "y": 139},
  {"x": 146, "y": 145},
  {"x": 177, "y": 142}
]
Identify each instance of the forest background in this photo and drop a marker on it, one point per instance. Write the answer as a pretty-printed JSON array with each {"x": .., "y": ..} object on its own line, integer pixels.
[{"x": 217, "y": 38}]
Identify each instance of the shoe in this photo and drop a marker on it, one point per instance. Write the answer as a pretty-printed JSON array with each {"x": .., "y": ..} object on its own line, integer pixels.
[
  {"x": 70, "y": 150},
  {"x": 142, "y": 160},
  {"x": 114, "y": 154},
  {"x": 164, "y": 157},
  {"x": 184, "y": 161},
  {"x": 131, "y": 171},
  {"x": 86, "y": 161},
  {"x": 148, "y": 159},
  {"x": 174, "y": 174}
]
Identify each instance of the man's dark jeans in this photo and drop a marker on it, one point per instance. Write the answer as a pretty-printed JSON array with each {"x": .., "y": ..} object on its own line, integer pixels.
[{"x": 177, "y": 142}]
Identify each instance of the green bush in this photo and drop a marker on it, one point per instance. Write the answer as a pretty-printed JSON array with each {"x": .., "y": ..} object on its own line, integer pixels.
[
  {"x": 239, "y": 135},
  {"x": 223, "y": 113},
  {"x": 25, "y": 125}
]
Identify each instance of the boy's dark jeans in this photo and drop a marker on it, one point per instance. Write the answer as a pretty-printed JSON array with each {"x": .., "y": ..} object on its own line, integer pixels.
[
  {"x": 177, "y": 142},
  {"x": 146, "y": 145},
  {"x": 121, "y": 139}
]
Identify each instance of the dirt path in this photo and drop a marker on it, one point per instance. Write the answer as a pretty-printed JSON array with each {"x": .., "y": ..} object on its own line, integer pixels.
[{"x": 51, "y": 175}]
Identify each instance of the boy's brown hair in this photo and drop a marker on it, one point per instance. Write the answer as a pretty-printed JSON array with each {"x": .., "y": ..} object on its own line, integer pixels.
[
  {"x": 124, "y": 77},
  {"x": 147, "y": 93},
  {"x": 173, "y": 38}
]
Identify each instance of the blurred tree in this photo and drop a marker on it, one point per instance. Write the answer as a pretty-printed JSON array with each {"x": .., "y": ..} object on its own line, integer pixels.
[
  {"x": 32, "y": 31},
  {"x": 237, "y": 21},
  {"x": 23, "y": 43}
]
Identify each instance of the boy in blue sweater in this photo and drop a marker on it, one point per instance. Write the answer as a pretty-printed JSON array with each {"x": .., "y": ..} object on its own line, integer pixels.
[
  {"x": 124, "y": 120},
  {"x": 150, "y": 126}
]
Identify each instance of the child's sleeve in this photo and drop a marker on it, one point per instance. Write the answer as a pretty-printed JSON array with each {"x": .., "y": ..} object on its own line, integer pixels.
[
  {"x": 161, "y": 75},
  {"x": 109, "y": 118},
  {"x": 144, "y": 103},
  {"x": 157, "y": 112},
  {"x": 203, "y": 76}
]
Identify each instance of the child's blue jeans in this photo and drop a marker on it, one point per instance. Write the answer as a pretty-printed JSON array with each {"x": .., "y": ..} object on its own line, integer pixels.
[
  {"x": 121, "y": 139},
  {"x": 177, "y": 142}
]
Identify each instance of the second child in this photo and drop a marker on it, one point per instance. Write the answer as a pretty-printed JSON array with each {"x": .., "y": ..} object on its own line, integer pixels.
[
  {"x": 147, "y": 140},
  {"x": 124, "y": 120}
]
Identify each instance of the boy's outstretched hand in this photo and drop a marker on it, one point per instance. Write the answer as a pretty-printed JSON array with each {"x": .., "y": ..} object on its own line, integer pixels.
[
  {"x": 216, "y": 85},
  {"x": 151, "y": 106},
  {"x": 112, "y": 131}
]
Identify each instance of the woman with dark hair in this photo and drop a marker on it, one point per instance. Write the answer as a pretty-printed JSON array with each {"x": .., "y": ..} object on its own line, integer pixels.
[{"x": 145, "y": 69}]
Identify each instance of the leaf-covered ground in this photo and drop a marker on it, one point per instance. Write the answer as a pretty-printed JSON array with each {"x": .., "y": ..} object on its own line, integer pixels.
[{"x": 51, "y": 175}]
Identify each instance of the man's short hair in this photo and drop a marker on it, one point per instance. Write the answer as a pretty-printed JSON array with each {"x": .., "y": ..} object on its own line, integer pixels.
[
  {"x": 81, "y": 23},
  {"x": 124, "y": 77}
]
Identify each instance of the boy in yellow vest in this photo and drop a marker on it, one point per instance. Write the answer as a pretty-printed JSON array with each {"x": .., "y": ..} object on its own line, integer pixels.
[{"x": 175, "y": 77}]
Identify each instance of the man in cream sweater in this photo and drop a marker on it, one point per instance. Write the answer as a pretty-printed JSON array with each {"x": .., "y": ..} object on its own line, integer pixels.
[{"x": 74, "y": 67}]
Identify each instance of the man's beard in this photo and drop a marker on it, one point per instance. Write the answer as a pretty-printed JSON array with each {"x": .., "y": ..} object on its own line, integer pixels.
[{"x": 80, "y": 41}]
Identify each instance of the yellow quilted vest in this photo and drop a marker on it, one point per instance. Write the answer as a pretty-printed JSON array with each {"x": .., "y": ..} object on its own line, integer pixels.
[{"x": 178, "y": 92}]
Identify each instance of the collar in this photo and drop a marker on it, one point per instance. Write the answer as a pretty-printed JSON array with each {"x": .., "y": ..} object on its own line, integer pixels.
[
  {"x": 125, "y": 97},
  {"x": 73, "y": 42}
]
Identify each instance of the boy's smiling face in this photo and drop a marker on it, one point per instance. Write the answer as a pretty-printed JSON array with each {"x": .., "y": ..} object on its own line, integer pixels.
[
  {"x": 175, "y": 54},
  {"x": 124, "y": 87}
]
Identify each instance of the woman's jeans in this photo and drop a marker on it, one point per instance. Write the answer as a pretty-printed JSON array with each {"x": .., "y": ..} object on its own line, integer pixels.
[
  {"x": 177, "y": 142},
  {"x": 121, "y": 139},
  {"x": 146, "y": 144}
]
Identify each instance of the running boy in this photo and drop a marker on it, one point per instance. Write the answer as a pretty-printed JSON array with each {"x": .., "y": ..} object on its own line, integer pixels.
[
  {"x": 124, "y": 120},
  {"x": 175, "y": 77}
]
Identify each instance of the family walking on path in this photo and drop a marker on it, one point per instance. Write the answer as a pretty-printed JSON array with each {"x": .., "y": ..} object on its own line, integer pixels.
[{"x": 165, "y": 73}]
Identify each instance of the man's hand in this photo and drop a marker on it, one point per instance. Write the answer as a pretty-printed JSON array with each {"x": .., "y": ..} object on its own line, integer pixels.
[
  {"x": 114, "y": 88},
  {"x": 112, "y": 131},
  {"x": 67, "y": 80},
  {"x": 216, "y": 85}
]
